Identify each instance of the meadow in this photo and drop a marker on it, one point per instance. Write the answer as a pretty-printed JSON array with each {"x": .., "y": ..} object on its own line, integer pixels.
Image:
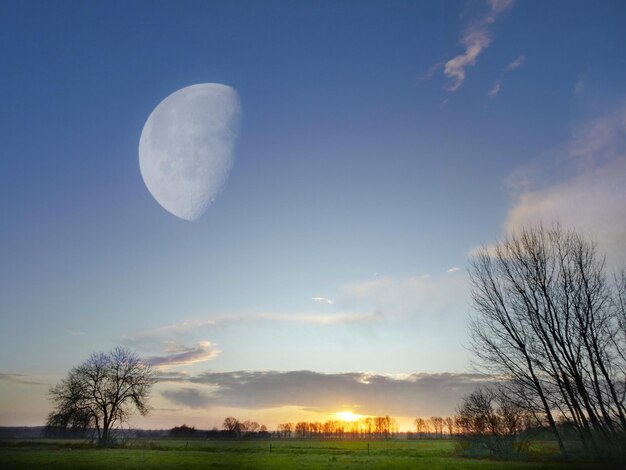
[{"x": 264, "y": 454}]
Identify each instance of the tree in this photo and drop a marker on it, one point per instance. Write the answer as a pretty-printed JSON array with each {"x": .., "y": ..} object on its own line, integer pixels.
[
  {"x": 489, "y": 420},
  {"x": 101, "y": 393},
  {"x": 183, "y": 431},
  {"x": 301, "y": 429},
  {"x": 285, "y": 429},
  {"x": 233, "y": 425},
  {"x": 421, "y": 427},
  {"x": 478, "y": 414},
  {"x": 437, "y": 424},
  {"x": 250, "y": 426},
  {"x": 550, "y": 322}
]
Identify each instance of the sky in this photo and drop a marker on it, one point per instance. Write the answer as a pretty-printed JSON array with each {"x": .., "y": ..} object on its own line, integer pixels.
[{"x": 380, "y": 143}]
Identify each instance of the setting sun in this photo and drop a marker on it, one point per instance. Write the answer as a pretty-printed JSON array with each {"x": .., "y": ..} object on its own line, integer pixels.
[{"x": 348, "y": 416}]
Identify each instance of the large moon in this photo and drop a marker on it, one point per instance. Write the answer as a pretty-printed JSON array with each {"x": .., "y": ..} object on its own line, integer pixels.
[{"x": 186, "y": 149}]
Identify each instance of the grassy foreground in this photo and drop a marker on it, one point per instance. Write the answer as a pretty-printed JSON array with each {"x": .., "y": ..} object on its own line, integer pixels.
[{"x": 169, "y": 453}]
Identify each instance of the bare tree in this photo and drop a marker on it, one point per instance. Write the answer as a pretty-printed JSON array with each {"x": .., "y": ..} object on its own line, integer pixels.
[
  {"x": 285, "y": 429},
  {"x": 233, "y": 425},
  {"x": 437, "y": 424},
  {"x": 449, "y": 422},
  {"x": 488, "y": 419},
  {"x": 250, "y": 426},
  {"x": 421, "y": 427},
  {"x": 548, "y": 321},
  {"x": 477, "y": 415},
  {"x": 301, "y": 429},
  {"x": 102, "y": 392}
]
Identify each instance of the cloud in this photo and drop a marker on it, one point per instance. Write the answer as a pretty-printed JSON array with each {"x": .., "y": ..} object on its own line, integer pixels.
[
  {"x": 498, "y": 6},
  {"x": 371, "y": 394},
  {"x": 180, "y": 355},
  {"x": 166, "y": 375},
  {"x": 156, "y": 338},
  {"x": 416, "y": 297},
  {"x": 497, "y": 85},
  {"x": 188, "y": 397},
  {"x": 579, "y": 87},
  {"x": 495, "y": 89},
  {"x": 454, "y": 69},
  {"x": 475, "y": 39},
  {"x": 453, "y": 270},
  {"x": 323, "y": 319},
  {"x": 587, "y": 192},
  {"x": 177, "y": 333},
  {"x": 430, "y": 72},
  {"x": 20, "y": 379},
  {"x": 323, "y": 300},
  {"x": 517, "y": 63}
]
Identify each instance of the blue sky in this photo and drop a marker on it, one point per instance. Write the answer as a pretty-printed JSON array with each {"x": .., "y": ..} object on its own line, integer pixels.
[{"x": 380, "y": 143}]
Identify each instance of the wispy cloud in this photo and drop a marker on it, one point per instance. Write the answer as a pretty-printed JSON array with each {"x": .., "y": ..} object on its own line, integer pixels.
[
  {"x": 453, "y": 269},
  {"x": 579, "y": 87},
  {"x": 181, "y": 333},
  {"x": 517, "y": 63},
  {"x": 414, "y": 297},
  {"x": 475, "y": 39},
  {"x": 323, "y": 300},
  {"x": 178, "y": 355},
  {"x": 497, "y": 85},
  {"x": 586, "y": 192},
  {"x": 20, "y": 379},
  {"x": 324, "y": 319},
  {"x": 412, "y": 395},
  {"x": 156, "y": 338},
  {"x": 430, "y": 72},
  {"x": 495, "y": 89}
]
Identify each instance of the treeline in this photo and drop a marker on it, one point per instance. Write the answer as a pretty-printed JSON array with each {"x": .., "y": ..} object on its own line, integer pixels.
[
  {"x": 378, "y": 427},
  {"x": 243, "y": 428},
  {"x": 232, "y": 430},
  {"x": 483, "y": 412}
]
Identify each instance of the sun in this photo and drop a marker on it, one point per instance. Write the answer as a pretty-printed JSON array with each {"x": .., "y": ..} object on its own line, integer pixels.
[{"x": 348, "y": 416}]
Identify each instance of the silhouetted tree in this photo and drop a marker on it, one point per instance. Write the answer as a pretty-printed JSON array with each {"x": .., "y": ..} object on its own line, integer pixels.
[
  {"x": 233, "y": 425},
  {"x": 449, "y": 423},
  {"x": 102, "y": 393},
  {"x": 490, "y": 420},
  {"x": 285, "y": 429},
  {"x": 421, "y": 427},
  {"x": 183, "y": 431},
  {"x": 437, "y": 425},
  {"x": 550, "y": 322},
  {"x": 250, "y": 426}
]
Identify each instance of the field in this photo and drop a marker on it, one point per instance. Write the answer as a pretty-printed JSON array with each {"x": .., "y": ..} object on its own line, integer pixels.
[{"x": 296, "y": 454}]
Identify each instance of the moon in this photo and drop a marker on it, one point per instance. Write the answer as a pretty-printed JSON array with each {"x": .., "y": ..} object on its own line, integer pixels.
[{"x": 187, "y": 147}]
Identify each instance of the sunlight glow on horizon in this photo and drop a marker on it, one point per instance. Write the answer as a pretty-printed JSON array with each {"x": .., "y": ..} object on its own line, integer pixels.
[{"x": 348, "y": 416}]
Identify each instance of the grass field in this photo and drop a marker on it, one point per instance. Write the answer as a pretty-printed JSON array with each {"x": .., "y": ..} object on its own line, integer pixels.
[{"x": 291, "y": 454}]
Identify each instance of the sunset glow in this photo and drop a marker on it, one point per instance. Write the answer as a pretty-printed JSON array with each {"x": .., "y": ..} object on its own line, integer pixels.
[{"x": 348, "y": 416}]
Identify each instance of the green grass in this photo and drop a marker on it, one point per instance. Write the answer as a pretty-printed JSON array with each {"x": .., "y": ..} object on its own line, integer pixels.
[{"x": 288, "y": 454}]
